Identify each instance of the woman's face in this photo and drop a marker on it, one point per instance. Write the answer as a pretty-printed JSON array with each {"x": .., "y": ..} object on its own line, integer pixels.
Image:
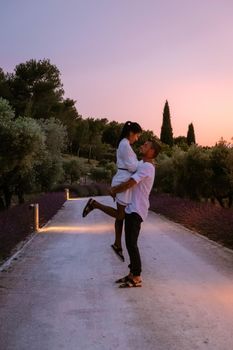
[{"x": 133, "y": 137}]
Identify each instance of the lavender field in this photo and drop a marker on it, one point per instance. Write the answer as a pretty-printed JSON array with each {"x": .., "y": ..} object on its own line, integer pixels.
[
  {"x": 208, "y": 219},
  {"x": 17, "y": 223}
]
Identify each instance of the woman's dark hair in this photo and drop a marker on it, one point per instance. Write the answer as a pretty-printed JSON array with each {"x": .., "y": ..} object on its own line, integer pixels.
[{"x": 127, "y": 128}]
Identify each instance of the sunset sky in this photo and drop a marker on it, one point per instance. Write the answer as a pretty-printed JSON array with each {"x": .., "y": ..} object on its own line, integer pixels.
[{"x": 122, "y": 59}]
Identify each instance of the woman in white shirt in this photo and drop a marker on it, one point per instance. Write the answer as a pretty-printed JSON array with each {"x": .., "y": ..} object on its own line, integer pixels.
[{"x": 127, "y": 163}]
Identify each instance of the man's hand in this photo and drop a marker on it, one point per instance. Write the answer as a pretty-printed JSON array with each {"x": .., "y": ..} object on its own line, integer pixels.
[
  {"x": 122, "y": 187},
  {"x": 111, "y": 193}
]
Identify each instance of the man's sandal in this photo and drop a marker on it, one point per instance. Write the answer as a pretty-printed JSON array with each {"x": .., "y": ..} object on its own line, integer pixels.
[
  {"x": 131, "y": 284},
  {"x": 118, "y": 252},
  {"x": 88, "y": 207},
  {"x": 123, "y": 279}
]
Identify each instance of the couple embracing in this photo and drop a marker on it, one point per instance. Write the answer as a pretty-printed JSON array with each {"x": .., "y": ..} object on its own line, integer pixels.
[{"x": 130, "y": 188}]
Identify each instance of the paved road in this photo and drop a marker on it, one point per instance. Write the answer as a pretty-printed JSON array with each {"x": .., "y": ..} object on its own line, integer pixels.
[{"x": 60, "y": 292}]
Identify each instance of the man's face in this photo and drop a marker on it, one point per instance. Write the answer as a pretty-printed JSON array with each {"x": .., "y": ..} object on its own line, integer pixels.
[{"x": 146, "y": 149}]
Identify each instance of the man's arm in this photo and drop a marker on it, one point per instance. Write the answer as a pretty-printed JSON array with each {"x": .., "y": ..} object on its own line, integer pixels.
[
  {"x": 143, "y": 172},
  {"x": 122, "y": 187}
]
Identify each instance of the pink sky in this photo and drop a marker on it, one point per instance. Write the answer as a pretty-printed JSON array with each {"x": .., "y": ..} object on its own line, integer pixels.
[{"x": 122, "y": 59}]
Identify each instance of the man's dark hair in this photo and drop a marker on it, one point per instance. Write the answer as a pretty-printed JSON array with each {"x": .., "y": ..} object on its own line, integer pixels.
[{"x": 155, "y": 145}]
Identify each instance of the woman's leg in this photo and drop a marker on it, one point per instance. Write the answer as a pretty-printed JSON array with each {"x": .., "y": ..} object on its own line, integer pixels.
[
  {"x": 118, "y": 213},
  {"x": 105, "y": 208},
  {"x": 119, "y": 224}
]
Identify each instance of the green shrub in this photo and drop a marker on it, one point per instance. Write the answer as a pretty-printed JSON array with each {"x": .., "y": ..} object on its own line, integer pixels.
[
  {"x": 164, "y": 178},
  {"x": 72, "y": 171},
  {"x": 100, "y": 174},
  {"x": 221, "y": 184}
]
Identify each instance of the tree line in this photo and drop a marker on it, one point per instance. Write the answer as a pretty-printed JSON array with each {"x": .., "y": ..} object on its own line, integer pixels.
[
  {"x": 166, "y": 135},
  {"x": 38, "y": 125},
  {"x": 199, "y": 173},
  {"x": 188, "y": 170}
]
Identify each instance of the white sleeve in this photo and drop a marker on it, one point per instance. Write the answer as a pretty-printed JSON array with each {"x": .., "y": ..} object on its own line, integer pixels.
[
  {"x": 128, "y": 157},
  {"x": 145, "y": 170}
]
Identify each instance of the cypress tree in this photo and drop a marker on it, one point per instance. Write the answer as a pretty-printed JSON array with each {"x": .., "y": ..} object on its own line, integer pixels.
[
  {"x": 191, "y": 135},
  {"x": 166, "y": 135}
]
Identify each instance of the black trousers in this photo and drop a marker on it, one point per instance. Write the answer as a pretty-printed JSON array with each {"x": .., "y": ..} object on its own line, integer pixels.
[{"x": 132, "y": 229}]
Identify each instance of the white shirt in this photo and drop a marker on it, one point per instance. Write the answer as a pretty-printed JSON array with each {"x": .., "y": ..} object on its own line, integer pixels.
[
  {"x": 126, "y": 159},
  {"x": 144, "y": 177}
]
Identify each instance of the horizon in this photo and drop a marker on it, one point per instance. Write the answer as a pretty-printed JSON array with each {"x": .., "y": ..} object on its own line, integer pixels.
[{"x": 122, "y": 61}]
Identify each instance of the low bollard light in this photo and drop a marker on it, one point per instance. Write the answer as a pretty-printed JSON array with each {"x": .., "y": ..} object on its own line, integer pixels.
[
  {"x": 35, "y": 208},
  {"x": 67, "y": 194}
]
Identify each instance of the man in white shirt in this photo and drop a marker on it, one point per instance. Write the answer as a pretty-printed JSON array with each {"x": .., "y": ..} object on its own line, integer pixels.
[{"x": 141, "y": 184}]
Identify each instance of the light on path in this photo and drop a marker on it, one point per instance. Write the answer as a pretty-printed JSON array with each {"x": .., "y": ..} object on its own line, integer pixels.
[{"x": 93, "y": 229}]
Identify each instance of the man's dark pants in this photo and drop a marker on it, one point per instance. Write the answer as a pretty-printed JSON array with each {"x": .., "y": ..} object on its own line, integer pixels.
[{"x": 132, "y": 229}]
